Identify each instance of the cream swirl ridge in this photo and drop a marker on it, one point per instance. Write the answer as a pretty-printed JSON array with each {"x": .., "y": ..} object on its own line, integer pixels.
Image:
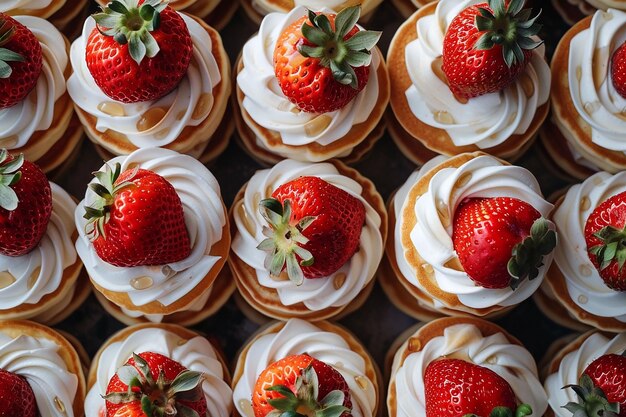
[
  {"x": 199, "y": 193},
  {"x": 187, "y": 105},
  {"x": 316, "y": 294},
  {"x": 36, "y": 111},
  {"x": 484, "y": 121},
  {"x": 267, "y": 105},
  {"x": 572, "y": 366},
  {"x": 23, "y": 5},
  {"x": 298, "y": 336},
  {"x": 465, "y": 341},
  {"x": 482, "y": 176},
  {"x": 40, "y": 271},
  {"x": 196, "y": 354},
  {"x": 591, "y": 88},
  {"x": 38, "y": 360},
  {"x": 584, "y": 284}
]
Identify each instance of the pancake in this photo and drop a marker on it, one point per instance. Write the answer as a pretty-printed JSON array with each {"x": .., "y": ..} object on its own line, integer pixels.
[
  {"x": 266, "y": 300},
  {"x": 423, "y": 135}
]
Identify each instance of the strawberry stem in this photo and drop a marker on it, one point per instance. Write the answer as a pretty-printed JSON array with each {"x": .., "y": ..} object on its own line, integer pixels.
[
  {"x": 527, "y": 256},
  {"x": 6, "y": 55},
  {"x": 340, "y": 55},
  {"x": 129, "y": 23},
  {"x": 522, "y": 410},
  {"x": 158, "y": 398},
  {"x": 284, "y": 240},
  {"x": 508, "y": 26},
  {"x": 304, "y": 403},
  {"x": 99, "y": 213},
  {"x": 613, "y": 247},
  {"x": 592, "y": 400},
  {"x": 9, "y": 176}
]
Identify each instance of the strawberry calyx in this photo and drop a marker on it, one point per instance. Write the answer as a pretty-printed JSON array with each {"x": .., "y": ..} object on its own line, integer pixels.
[
  {"x": 9, "y": 176},
  {"x": 527, "y": 256},
  {"x": 129, "y": 23},
  {"x": 106, "y": 189},
  {"x": 160, "y": 397},
  {"x": 508, "y": 26},
  {"x": 284, "y": 240},
  {"x": 329, "y": 46},
  {"x": 522, "y": 410},
  {"x": 6, "y": 55},
  {"x": 613, "y": 248},
  {"x": 303, "y": 402},
  {"x": 592, "y": 400}
]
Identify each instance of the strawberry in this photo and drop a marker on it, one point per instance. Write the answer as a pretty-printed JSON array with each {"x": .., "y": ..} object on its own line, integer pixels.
[
  {"x": 137, "y": 219},
  {"x": 323, "y": 64},
  {"x": 150, "y": 384},
  {"x": 602, "y": 389},
  {"x": 314, "y": 228},
  {"x": 605, "y": 235},
  {"x": 301, "y": 385},
  {"x": 456, "y": 388},
  {"x": 139, "y": 50},
  {"x": 25, "y": 204},
  {"x": 500, "y": 241},
  {"x": 487, "y": 46},
  {"x": 20, "y": 61},
  {"x": 16, "y": 396},
  {"x": 618, "y": 70}
]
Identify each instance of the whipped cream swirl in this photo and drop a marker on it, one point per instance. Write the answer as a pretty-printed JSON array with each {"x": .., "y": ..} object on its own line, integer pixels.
[
  {"x": 199, "y": 193},
  {"x": 484, "y": 121},
  {"x": 36, "y": 111},
  {"x": 316, "y": 294},
  {"x": 486, "y": 177},
  {"x": 572, "y": 367},
  {"x": 40, "y": 271},
  {"x": 584, "y": 284},
  {"x": 297, "y": 337},
  {"x": 465, "y": 341},
  {"x": 23, "y": 5},
  {"x": 187, "y": 105},
  {"x": 596, "y": 100},
  {"x": 38, "y": 360},
  {"x": 267, "y": 105},
  {"x": 195, "y": 354}
]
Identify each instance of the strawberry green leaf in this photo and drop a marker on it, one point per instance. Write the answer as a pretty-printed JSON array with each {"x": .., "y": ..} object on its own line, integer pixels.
[
  {"x": 592, "y": 400},
  {"x": 515, "y": 6},
  {"x": 484, "y": 42},
  {"x": 185, "y": 381},
  {"x": 335, "y": 397},
  {"x": 363, "y": 40},
  {"x": 8, "y": 198},
  {"x": 315, "y": 35},
  {"x": 120, "y": 397},
  {"x": 5, "y": 70},
  {"x": 334, "y": 48},
  {"x": 501, "y": 412},
  {"x": 322, "y": 22},
  {"x": 146, "y": 11},
  {"x": 118, "y": 7},
  {"x": 346, "y": 20},
  {"x": 127, "y": 373},
  {"x": 523, "y": 410},
  {"x": 358, "y": 59},
  {"x": 9, "y": 176}
]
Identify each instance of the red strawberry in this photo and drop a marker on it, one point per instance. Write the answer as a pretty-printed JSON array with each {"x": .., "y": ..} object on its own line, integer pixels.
[
  {"x": 487, "y": 46},
  {"x": 20, "y": 61},
  {"x": 25, "y": 205},
  {"x": 138, "y": 219},
  {"x": 500, "y": 241},
  {"x": 315, "y": 228},
  {"x": 618, "y": 70},
  {"x": 323, "y": 64},
  {"x": 16, "y": 396},
  {"x": 605, "y": 235},
  {"x": 138, "y": 53},
  {"x": 302, "y": 384},
  {"x": 602, "y": 389},
  {"x": 160, "y": 386},
  {"x": 456, "y": 388}
]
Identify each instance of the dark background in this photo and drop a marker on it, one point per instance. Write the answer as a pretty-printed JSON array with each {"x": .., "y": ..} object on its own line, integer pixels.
[{"x": 378, "y": 322}]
